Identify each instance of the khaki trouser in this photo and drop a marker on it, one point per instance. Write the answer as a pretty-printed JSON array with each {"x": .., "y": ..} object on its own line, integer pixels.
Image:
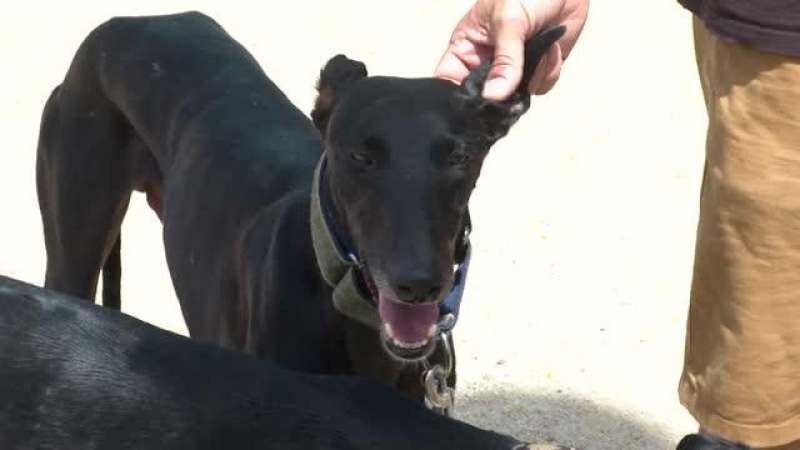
[{"x": 741, "y": 378}]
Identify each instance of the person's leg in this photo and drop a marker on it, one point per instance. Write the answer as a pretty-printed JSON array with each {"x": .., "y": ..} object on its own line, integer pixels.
[{"x": 741, "y": 376}]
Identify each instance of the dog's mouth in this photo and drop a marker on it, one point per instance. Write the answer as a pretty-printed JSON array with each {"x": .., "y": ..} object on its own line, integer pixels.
[{"x": 408, "y": 331}]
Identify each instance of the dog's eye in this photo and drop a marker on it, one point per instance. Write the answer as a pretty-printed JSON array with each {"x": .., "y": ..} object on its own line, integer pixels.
[
  {"x": 459, "y": 157},
  {"x": 362, "y": 158}
]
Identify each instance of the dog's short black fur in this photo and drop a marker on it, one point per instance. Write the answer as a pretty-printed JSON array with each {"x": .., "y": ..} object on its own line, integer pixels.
[
  {"x": 173, "y": 106},
  {"x": 705, "y": 441},
  {"x": 76, "y": 376}
]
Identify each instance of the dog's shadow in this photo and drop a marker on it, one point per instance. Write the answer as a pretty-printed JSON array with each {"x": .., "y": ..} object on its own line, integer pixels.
[{"x": 564, "y": 419}]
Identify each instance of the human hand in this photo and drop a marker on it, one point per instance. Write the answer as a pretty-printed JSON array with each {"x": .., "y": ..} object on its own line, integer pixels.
[{"x": 497, "y": 30}]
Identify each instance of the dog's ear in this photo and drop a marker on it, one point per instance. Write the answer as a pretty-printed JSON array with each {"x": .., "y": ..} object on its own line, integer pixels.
[
  {"x": 495, "y": 118},
  {"x": 336, "y": 77}
]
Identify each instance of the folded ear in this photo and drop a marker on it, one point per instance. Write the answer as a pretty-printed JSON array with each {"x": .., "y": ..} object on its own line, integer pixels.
[
  {"x": 497, "y": 117},
  {"x": 336, "y": 77}
]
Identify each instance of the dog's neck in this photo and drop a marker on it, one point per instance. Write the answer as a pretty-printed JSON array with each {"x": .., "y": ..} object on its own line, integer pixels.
[
  {"x": 333, "y": 209},
  {"x": 337, "y": 261}
]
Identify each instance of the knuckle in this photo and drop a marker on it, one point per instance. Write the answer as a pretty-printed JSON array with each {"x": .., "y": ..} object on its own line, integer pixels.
[
  {"x": 509, "y": 14},
  {"x": 503, "y": 60},
  {"x": 510, "y": 11}
]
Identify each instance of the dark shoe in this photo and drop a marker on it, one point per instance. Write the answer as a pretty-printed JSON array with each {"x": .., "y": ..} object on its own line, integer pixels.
[{"x": 703, "y": 441}]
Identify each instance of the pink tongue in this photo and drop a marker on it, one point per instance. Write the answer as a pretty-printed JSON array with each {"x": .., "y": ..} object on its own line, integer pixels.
[{"x": 410, "y": 323}]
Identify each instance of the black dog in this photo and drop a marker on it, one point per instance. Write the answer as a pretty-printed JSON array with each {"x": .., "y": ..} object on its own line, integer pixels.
[
  {"x": 332, "y": 255},
  {"x": 78, "y": 376}
]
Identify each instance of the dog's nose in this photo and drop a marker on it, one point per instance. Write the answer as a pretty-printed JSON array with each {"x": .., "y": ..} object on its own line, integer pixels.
[{"x": 418, "y": 290}]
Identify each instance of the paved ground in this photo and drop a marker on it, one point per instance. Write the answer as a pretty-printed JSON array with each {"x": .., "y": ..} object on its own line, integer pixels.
[{"x": 573, "y": 323}]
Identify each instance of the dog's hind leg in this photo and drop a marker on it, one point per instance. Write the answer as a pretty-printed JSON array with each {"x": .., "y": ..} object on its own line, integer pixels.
[
  {"x": 112, "y": 276},
  {"x": 83, "y": 184}
]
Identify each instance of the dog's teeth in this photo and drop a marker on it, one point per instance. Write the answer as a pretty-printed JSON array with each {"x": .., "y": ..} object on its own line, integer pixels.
[
  {"x": 389, "y": 332},
  {"x": 401, "y": 344},
  {"x": 432, "y": 331},
  {"x": 410, "y": 345}
]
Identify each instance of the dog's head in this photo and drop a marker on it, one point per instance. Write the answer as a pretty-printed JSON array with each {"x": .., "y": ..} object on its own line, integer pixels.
[{"x": 403, "y": 156}]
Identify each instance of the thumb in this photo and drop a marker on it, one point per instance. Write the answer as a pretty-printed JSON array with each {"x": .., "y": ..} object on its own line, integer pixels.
[{"x": 509, "y": 58}]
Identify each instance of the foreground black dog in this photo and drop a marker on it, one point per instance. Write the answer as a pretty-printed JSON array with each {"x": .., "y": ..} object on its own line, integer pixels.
[
  {"x": 78, "y": 376},
  {"x": 330, "y": 255}
]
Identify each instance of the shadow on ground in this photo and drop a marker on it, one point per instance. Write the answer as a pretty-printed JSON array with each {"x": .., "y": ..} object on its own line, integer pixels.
[{"x": 561, "y": 418}]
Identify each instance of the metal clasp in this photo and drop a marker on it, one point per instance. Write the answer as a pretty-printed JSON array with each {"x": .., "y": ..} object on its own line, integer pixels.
[{"x": 440, "y": 397}]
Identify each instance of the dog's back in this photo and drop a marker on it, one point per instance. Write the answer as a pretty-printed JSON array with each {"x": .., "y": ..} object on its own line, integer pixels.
[
  {"x": 67, "y": 382},
  {"x": 175, "y": 107},
  {"x": 78, "y": 376}
]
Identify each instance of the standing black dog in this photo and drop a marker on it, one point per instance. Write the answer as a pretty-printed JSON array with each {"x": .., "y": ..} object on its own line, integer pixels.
[
  {"x": 326, "y": 255},
  {"x": 75, "y": 376}
]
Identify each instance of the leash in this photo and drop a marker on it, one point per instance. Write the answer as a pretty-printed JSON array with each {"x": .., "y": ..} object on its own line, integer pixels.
[{"x": 343, "y": 271}]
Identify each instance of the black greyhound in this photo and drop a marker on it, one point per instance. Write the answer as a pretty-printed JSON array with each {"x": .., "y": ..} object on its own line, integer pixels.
[
  {"x": 329, "y": 252},
  {"x": 78, "y": 376}
]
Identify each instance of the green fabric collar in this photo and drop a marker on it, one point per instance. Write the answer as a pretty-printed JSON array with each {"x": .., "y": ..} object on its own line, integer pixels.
[{"x": 338, "y": 272}]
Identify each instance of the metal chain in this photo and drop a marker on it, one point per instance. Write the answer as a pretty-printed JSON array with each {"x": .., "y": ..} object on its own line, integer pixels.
[{"x": 440, "y": 397}]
